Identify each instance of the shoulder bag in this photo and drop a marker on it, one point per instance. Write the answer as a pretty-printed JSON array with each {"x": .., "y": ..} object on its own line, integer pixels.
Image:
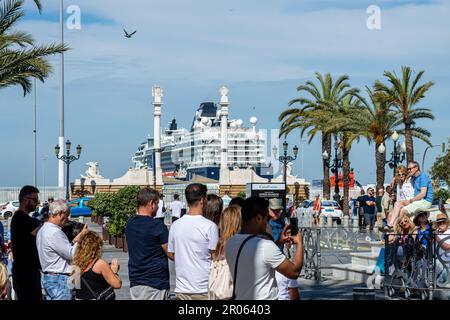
[{"x": 107, "y": 294}]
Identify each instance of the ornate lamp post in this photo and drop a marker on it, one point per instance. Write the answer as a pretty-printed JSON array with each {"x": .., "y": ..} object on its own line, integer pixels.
[
  {"x": 398, "y": 154},
  {"x": 67, "y": 159},
  {"x": 337, "y": 164},
  {"x": 285, "y": 159}
]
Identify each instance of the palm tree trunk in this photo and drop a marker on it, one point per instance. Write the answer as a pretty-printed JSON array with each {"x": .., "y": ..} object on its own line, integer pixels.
[
  {"x": 409, "y": 143},
  {"x": 346, "y": 176},
  {"x": 380, "y": 160},
  {"x": 326, "y": 146}
]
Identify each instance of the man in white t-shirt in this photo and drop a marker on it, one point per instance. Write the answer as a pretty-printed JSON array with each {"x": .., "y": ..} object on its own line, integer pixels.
[
  {"x": 287, "y": 288},
  {"x": 160, "y": 214},
  {"x": 192, "y": 240},
  {"x": 260, "y": 257},
  {"x": 175, "y": 207},
  {"x": 226, "y": 199}
]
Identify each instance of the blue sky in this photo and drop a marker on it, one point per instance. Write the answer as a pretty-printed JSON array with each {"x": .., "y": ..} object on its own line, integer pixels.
[{"x": 261, "y": 49}]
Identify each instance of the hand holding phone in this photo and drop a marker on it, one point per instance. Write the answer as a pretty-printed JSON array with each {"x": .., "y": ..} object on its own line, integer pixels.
[{"x": 294, "y": 226}]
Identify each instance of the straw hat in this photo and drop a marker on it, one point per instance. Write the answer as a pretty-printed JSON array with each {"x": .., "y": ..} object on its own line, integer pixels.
[{"x": 441, "y": 217}]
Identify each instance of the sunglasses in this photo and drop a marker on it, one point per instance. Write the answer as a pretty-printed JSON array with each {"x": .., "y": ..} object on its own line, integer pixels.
[{"x": 409, "y": 169}]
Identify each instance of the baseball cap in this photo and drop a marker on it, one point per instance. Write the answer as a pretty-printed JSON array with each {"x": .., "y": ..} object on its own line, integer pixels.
[{"x": 275, "y": 204}]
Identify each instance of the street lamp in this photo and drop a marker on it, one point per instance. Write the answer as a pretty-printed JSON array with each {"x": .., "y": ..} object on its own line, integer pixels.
[
  {"x": 67, "y": 159},
  {"x": 425, "y": 153},
  {"x": 337, "y": 163},
  {"x": 285, "y": 160},
  {"x": 398, "y": 154}
]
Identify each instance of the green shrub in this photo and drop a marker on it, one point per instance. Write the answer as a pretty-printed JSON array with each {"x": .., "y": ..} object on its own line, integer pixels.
[
  {"x": 123, "y": 206},
  {"x": 442, "y": 194},
  {"x": 102, "y": 204},
  {"x": 242, "y": 195}
]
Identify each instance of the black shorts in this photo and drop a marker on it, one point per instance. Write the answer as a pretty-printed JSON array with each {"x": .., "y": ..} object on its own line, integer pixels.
[
  {"x": 27, "y": 285},
  {"x": 369, "y": 219}
]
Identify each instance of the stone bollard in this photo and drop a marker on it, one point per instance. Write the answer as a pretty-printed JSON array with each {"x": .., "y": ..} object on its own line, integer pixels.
[
  {"x": 329, "y": 222},
  {"x": 355, "y": 222},
  {"x": 322, "y": 221},
  {"x": 346, "y": 221}
]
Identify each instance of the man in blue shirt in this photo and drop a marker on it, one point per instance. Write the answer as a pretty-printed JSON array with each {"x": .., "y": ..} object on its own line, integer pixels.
[
  {"x": 276, "y": 222},
  {"x": 423, "y": 191},
  {"x": 369, "y": 205},
  {"x": 147, "y": 239}
]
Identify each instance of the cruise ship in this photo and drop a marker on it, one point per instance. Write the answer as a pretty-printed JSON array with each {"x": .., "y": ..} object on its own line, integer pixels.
[{"x": 185, "y": 153}]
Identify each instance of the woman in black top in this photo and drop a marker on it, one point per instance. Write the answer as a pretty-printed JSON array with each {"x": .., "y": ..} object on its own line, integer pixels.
[{"x": 96, "y": 275}]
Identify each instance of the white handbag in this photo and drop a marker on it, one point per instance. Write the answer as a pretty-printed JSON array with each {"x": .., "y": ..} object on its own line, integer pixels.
[{"x": 220, "y": 285}]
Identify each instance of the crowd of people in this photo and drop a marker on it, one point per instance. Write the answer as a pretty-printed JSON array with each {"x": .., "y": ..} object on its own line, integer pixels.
[
  {"x": 210, "y": 247},
  {"x": 408, "y": 193},
  {"x": 47, "y": 261},
  {"x": 222, "y": 248},
  {"x": 235, "y": 250}
]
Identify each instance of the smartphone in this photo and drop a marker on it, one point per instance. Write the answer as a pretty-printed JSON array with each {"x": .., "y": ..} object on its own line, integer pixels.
[{"x": 294, "y": 226}]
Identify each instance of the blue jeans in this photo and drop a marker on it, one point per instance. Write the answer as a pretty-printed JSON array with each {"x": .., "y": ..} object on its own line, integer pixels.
[{"x": 56, "y": 287}]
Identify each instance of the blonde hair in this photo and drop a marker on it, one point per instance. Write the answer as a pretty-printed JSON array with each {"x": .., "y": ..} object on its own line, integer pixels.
[
  {"x": 230, "y": 223},
  {"x": 89, "y": 249},
  {"x": 3, "y": 278},
  {"x": 398, "y": 228},
  {"x": 400, "y": 170}
]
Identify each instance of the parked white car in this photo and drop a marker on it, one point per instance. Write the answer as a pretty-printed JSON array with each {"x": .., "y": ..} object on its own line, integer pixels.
[
  {"x": 329, "y": 208},
  {"x": 8, "y": 209}
]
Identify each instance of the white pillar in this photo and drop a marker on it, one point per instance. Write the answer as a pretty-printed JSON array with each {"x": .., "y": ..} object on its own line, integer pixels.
[
  {"x": 61, "y": 175},
  {"x": 224, "y": 172},
  {"x": 61, "y": 164},
  {"x": 224, "y": 127},
  {"x": 157, "y": 94}
]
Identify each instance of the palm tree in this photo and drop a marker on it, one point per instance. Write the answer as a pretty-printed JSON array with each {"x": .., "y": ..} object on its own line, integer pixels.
[
  {"x": 343, "y": 122},
  {"x": 20, "y": 59},
  {"x": 38, "y": 5},
  {"x": 403, "y": 95},
  {"x": 325, "y": 96},
  {"x": 377, "y": 123}
]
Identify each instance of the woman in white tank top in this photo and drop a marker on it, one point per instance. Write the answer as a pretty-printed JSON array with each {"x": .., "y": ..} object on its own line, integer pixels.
[{"x": 405, "y": 192}]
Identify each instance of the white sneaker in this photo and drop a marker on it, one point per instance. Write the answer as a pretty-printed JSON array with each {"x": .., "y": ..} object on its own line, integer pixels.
[
  {"x": 370, "y": 282},
  {"x": 368, "y": 239},
  {"x": 379, "y": 279}
]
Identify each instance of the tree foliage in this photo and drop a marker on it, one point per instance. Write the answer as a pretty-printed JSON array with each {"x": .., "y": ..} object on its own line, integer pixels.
[
  {"x": 21, "y": 59},
  {"x": 440, "y": 172}
]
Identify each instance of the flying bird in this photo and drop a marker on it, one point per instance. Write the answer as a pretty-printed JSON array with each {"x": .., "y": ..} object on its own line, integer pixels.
[{"x": 128, "y": 35}]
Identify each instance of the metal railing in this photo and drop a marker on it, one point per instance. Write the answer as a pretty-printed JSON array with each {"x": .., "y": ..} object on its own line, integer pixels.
[
  {"x": 328, "y": 243},
  {"x": 12, "y": 193},
  {"x": 417, "y": 264}
]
